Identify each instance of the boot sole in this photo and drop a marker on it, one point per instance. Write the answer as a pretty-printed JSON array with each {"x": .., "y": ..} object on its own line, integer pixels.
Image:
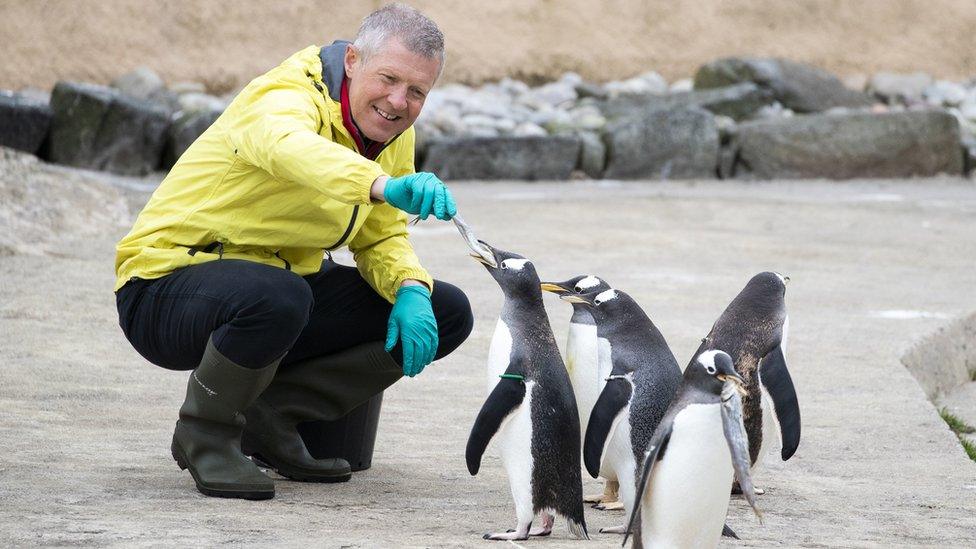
[
  {"x": 184, "y": 465},
  {"x": 300, "y": 475},
  {"x": 256, "y": 452}
]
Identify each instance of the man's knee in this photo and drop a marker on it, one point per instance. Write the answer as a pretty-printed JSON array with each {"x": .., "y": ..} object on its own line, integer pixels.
[{"x": 279, "y": 298}]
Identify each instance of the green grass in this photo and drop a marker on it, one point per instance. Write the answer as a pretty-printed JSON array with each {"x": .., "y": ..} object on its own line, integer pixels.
[
  {"x": 957, "y": 425},
  {"x": 969, "y": 447}
]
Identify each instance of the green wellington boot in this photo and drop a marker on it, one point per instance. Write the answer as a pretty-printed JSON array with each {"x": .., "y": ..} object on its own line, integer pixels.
[
  {"x": 207, "y": 440},
  {"x": 321, "y": 388}
]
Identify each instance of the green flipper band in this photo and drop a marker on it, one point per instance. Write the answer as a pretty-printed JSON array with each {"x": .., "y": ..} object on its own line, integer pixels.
[{"x": 516, "y": 377}]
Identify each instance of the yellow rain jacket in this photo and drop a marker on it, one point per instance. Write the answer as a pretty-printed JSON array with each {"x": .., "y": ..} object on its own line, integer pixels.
[{"x": 278, "y": 180}]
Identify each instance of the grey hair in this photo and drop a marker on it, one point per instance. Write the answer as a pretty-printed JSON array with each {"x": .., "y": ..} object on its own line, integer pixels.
[{"x": 418, "y": 33}]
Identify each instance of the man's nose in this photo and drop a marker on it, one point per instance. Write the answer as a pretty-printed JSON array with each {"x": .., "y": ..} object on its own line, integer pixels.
[{"x": 398, "y": 98}]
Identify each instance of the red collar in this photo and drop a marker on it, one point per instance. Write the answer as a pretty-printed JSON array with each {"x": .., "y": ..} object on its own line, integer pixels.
[{"x": 375, "y": 147}]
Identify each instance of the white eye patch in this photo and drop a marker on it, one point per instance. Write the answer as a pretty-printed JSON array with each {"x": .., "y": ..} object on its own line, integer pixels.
[
  {"x": 588, "y": 282},
  {"x": 605, "y": 296},
  {"x": 514, "y": 264},
  {"x": 707, "y": 360}
]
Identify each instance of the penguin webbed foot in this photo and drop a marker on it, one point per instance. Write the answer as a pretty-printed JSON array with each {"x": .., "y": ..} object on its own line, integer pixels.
[
  {"x": 615, "y": 505},
  {"x": 510, "y": 535},
  {"x": 622, "y": 529},
  {"x": 520, "y": 533}
]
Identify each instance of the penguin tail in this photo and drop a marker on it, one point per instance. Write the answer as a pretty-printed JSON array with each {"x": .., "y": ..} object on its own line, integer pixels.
[{"x": 578, "y": 529}]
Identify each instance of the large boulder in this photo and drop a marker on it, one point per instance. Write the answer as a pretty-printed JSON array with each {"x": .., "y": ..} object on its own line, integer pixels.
[
  {"x": 525, "y": 158},
  {"x": 663, "y": 144},
  {"x": 739, "y": 101},
  {"x": 844, "y": 146},
  {"x": 24, "y": 122},
  {"x": 96, "y": 127},
  {"x": 799, "y": 87},
  {"x": 187, "y": 126}
]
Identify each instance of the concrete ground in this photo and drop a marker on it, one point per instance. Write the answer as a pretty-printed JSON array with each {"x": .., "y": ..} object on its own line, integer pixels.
[{"x": 85, "y": 422}]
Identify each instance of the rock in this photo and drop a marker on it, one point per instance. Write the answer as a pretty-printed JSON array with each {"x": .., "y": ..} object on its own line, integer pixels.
[
  {"x": 448, "y": 120},
  {"x": 187, "y": 126},
  {"x": 528, "y": 129},
  {"x": 799, "y": 87},
  {"x": 737, "y": 102},
  {"x": 844, "y": 146},
  {"x": 589, "y": 89},
  {"x": 899, "y": 88},
  {"x": 525, "y": 158},
  {"x": 944, "y": 93},
  {"x": 643, "y": 84},
  {"x": 663, "y": 144},
  {"x": 142, "y": 83},
  {"x": 553, "y": 120},
  {"x": 969, "y": 154},
  {"x": 587, "y": 117},
  {"x": 96, "y": 127},
  {"x": 683, "y": 85},
  {"x": 554, "y": 94},
  {"x": 200, "y": 101},
  {"x": 24, "y": 122},
  {"x": 593, "y": 155}
]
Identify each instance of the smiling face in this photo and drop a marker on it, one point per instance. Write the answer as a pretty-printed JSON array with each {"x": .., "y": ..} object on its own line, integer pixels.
[{"x": 387, "y": 90}]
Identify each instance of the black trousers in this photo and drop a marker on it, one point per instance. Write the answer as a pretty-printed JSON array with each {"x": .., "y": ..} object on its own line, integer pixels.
[{"x": 257, "y": 313}]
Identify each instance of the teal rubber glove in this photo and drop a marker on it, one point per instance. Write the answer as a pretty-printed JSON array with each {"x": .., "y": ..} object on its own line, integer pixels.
[
  {"x": 412, "y": 322},
  {"x": 420, "y": 194}
]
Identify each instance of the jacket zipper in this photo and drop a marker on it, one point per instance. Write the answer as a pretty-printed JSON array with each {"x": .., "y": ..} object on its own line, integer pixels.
[{"x": 352, "y": 222}]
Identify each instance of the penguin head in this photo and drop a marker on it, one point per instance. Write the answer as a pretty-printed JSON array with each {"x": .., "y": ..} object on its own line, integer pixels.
[
  {"x": 769, "y": 282},
  {"x": 577, "y": 285},
  {"x": 711, "y": 369},
  {"x": 515, "y": 274},
  {"x": 602, "y": 303}
]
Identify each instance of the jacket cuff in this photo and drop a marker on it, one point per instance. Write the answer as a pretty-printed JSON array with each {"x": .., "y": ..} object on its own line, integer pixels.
[
  {"x": 369, "y": 176},
  {"x": 415, "y": 274}
]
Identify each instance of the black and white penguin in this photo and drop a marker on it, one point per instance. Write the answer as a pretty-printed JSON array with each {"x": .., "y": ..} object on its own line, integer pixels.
[
  {"x": 753, "y": 330},
  {"x": 642, "y": 381},
  {"x": 531, "y": 409},
  {"x": 687, "y": 471},
  {"x": 588, "y": 372}
]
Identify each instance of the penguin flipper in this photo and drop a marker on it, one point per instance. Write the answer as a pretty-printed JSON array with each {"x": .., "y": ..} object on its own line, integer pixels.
[
  {"x": 655, "y": 452},
  {"x": 614, "y": 397},
  {"x": 503, "y": 400},
  {"x": 776, "y": 378}
]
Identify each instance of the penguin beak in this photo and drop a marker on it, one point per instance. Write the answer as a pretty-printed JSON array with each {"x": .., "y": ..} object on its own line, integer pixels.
[
  {"x": 737, "y": 382},
  {"x": 571, "y": 298},
  {"x": 554, "y": 288},
  {"x": 486, "y": 255}
]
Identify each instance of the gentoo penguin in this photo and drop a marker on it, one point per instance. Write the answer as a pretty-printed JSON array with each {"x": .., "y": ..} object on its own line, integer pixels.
[
  {"x": 531, "y": 409},
  {"x": 752, "y": 330},
  {"x": 587, "y": 372},
  {"x": 686, "y": 473},
  {"x": 642, "y": 381}
]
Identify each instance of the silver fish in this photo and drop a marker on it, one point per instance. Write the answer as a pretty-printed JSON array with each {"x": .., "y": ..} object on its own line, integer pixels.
[
  {"x": 735, "y": 436},
  {"x": 476, "y": 245}
]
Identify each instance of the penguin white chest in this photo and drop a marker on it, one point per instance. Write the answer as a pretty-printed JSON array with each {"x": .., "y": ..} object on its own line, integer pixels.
[
  {"x": 583, "y": 364},
  {"x": 688, "y": 493},
  {"x": 515, "y": 445},
  {"x": 499, "y": 353}
]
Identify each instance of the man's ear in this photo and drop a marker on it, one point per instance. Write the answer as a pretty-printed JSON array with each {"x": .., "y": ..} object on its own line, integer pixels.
[{"x": 351, "y": 60}]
